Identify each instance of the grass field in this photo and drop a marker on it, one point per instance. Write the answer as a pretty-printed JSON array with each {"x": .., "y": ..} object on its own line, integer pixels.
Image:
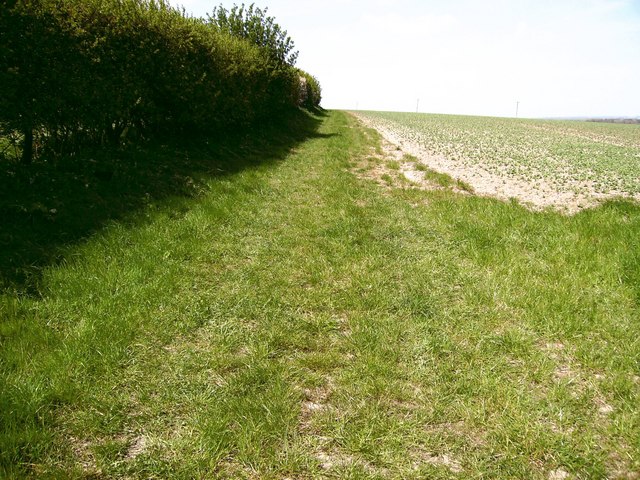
[
  {"x": 552, "y": 163},
  {"x": 303, "y": 317}
]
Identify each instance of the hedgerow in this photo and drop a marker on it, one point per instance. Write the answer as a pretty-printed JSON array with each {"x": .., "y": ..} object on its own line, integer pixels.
[
  {"x": 77, "y": 72},
  {"x": 310, "y": 90}
]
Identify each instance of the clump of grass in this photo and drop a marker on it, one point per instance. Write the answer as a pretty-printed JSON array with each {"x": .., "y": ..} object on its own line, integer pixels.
[
  {"x": 393, "y": 165},
  {"x": 443, "y": 179},
  {"x": 421, "y": 167},
  {"x": 385, "y": 177}
]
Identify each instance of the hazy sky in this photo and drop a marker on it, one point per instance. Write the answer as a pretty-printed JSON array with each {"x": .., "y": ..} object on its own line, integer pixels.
[{"x": 556, "y": 57}]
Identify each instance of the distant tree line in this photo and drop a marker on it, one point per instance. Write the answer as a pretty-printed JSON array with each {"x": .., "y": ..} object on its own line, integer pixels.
[
  {"x": 629, "y": 121},
  {"x": 98, "y": 72}
]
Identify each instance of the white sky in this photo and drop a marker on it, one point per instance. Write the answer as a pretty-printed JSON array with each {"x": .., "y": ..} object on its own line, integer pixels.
[{"x": 474, "y": 57}]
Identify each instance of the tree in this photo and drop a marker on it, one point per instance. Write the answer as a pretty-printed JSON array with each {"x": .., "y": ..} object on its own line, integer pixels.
[{"x": 253, "y": 24}]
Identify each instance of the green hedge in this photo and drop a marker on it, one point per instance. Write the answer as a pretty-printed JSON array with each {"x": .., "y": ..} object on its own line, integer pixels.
[
  {"x": 76, "y": 72},
  {"x": 310, "y": 91}
]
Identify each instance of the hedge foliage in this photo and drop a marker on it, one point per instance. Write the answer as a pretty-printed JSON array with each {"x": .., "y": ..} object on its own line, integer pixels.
[
  {"x": 255, "y": 25},
  {"x": 310, "y": 90},
  {"x": 76, "y": 72}
]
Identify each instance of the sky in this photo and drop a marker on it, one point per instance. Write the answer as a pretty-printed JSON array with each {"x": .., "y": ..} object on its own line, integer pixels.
[{"x": 557, "y": 58}]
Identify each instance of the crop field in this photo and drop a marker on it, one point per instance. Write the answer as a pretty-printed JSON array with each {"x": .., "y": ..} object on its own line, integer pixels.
[{"x": 566, "y": 165}]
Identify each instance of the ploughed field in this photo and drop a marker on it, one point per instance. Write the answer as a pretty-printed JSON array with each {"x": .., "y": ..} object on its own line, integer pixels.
[{"x": 566, "y": 165}]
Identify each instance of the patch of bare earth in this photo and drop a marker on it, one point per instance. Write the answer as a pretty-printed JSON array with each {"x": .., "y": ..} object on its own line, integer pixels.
[
  {"x": 376, "y": 166},
  {"x": 137, "y": 447},
  {"x": 329, "y": 456},
  {"x": 444, "y": 460},
  {"x": 84, "y": 456},
  {"x": 83, "y": 450},
  {"x": 571, "y": 374},
  {"x": 314, "y": 402},
  {"x": 535, "y": 195},
  {"x": 558, "y": 474}
]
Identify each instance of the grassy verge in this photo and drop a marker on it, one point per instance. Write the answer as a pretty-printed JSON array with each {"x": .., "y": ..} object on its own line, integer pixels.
[
  {"x": 52, "y": 204},
  {"x": 293, "y": 320}
]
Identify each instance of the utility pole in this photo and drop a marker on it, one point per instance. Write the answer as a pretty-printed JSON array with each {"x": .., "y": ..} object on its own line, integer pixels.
[
  {"x": 517, "y": 105},
  {"x": 417, "y": 105}
]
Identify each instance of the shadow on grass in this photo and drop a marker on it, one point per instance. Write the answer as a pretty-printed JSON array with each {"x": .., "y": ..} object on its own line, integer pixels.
[{"x": 48, "y": 206}]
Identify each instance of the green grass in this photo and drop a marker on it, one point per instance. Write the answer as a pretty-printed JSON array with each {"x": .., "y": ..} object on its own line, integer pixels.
[
  {"x": 292, "y": 320},
  {"x": 438, "y": 178},
  {"x": 393, "y": 165},
  {"x": 50, "y": 204}
]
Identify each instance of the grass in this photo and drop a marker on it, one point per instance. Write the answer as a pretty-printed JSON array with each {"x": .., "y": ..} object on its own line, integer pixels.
[
  {"x": 51, "y": 204},
  {"x": 292, "y": 320},
  {"x": 438, "y": 178}
]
